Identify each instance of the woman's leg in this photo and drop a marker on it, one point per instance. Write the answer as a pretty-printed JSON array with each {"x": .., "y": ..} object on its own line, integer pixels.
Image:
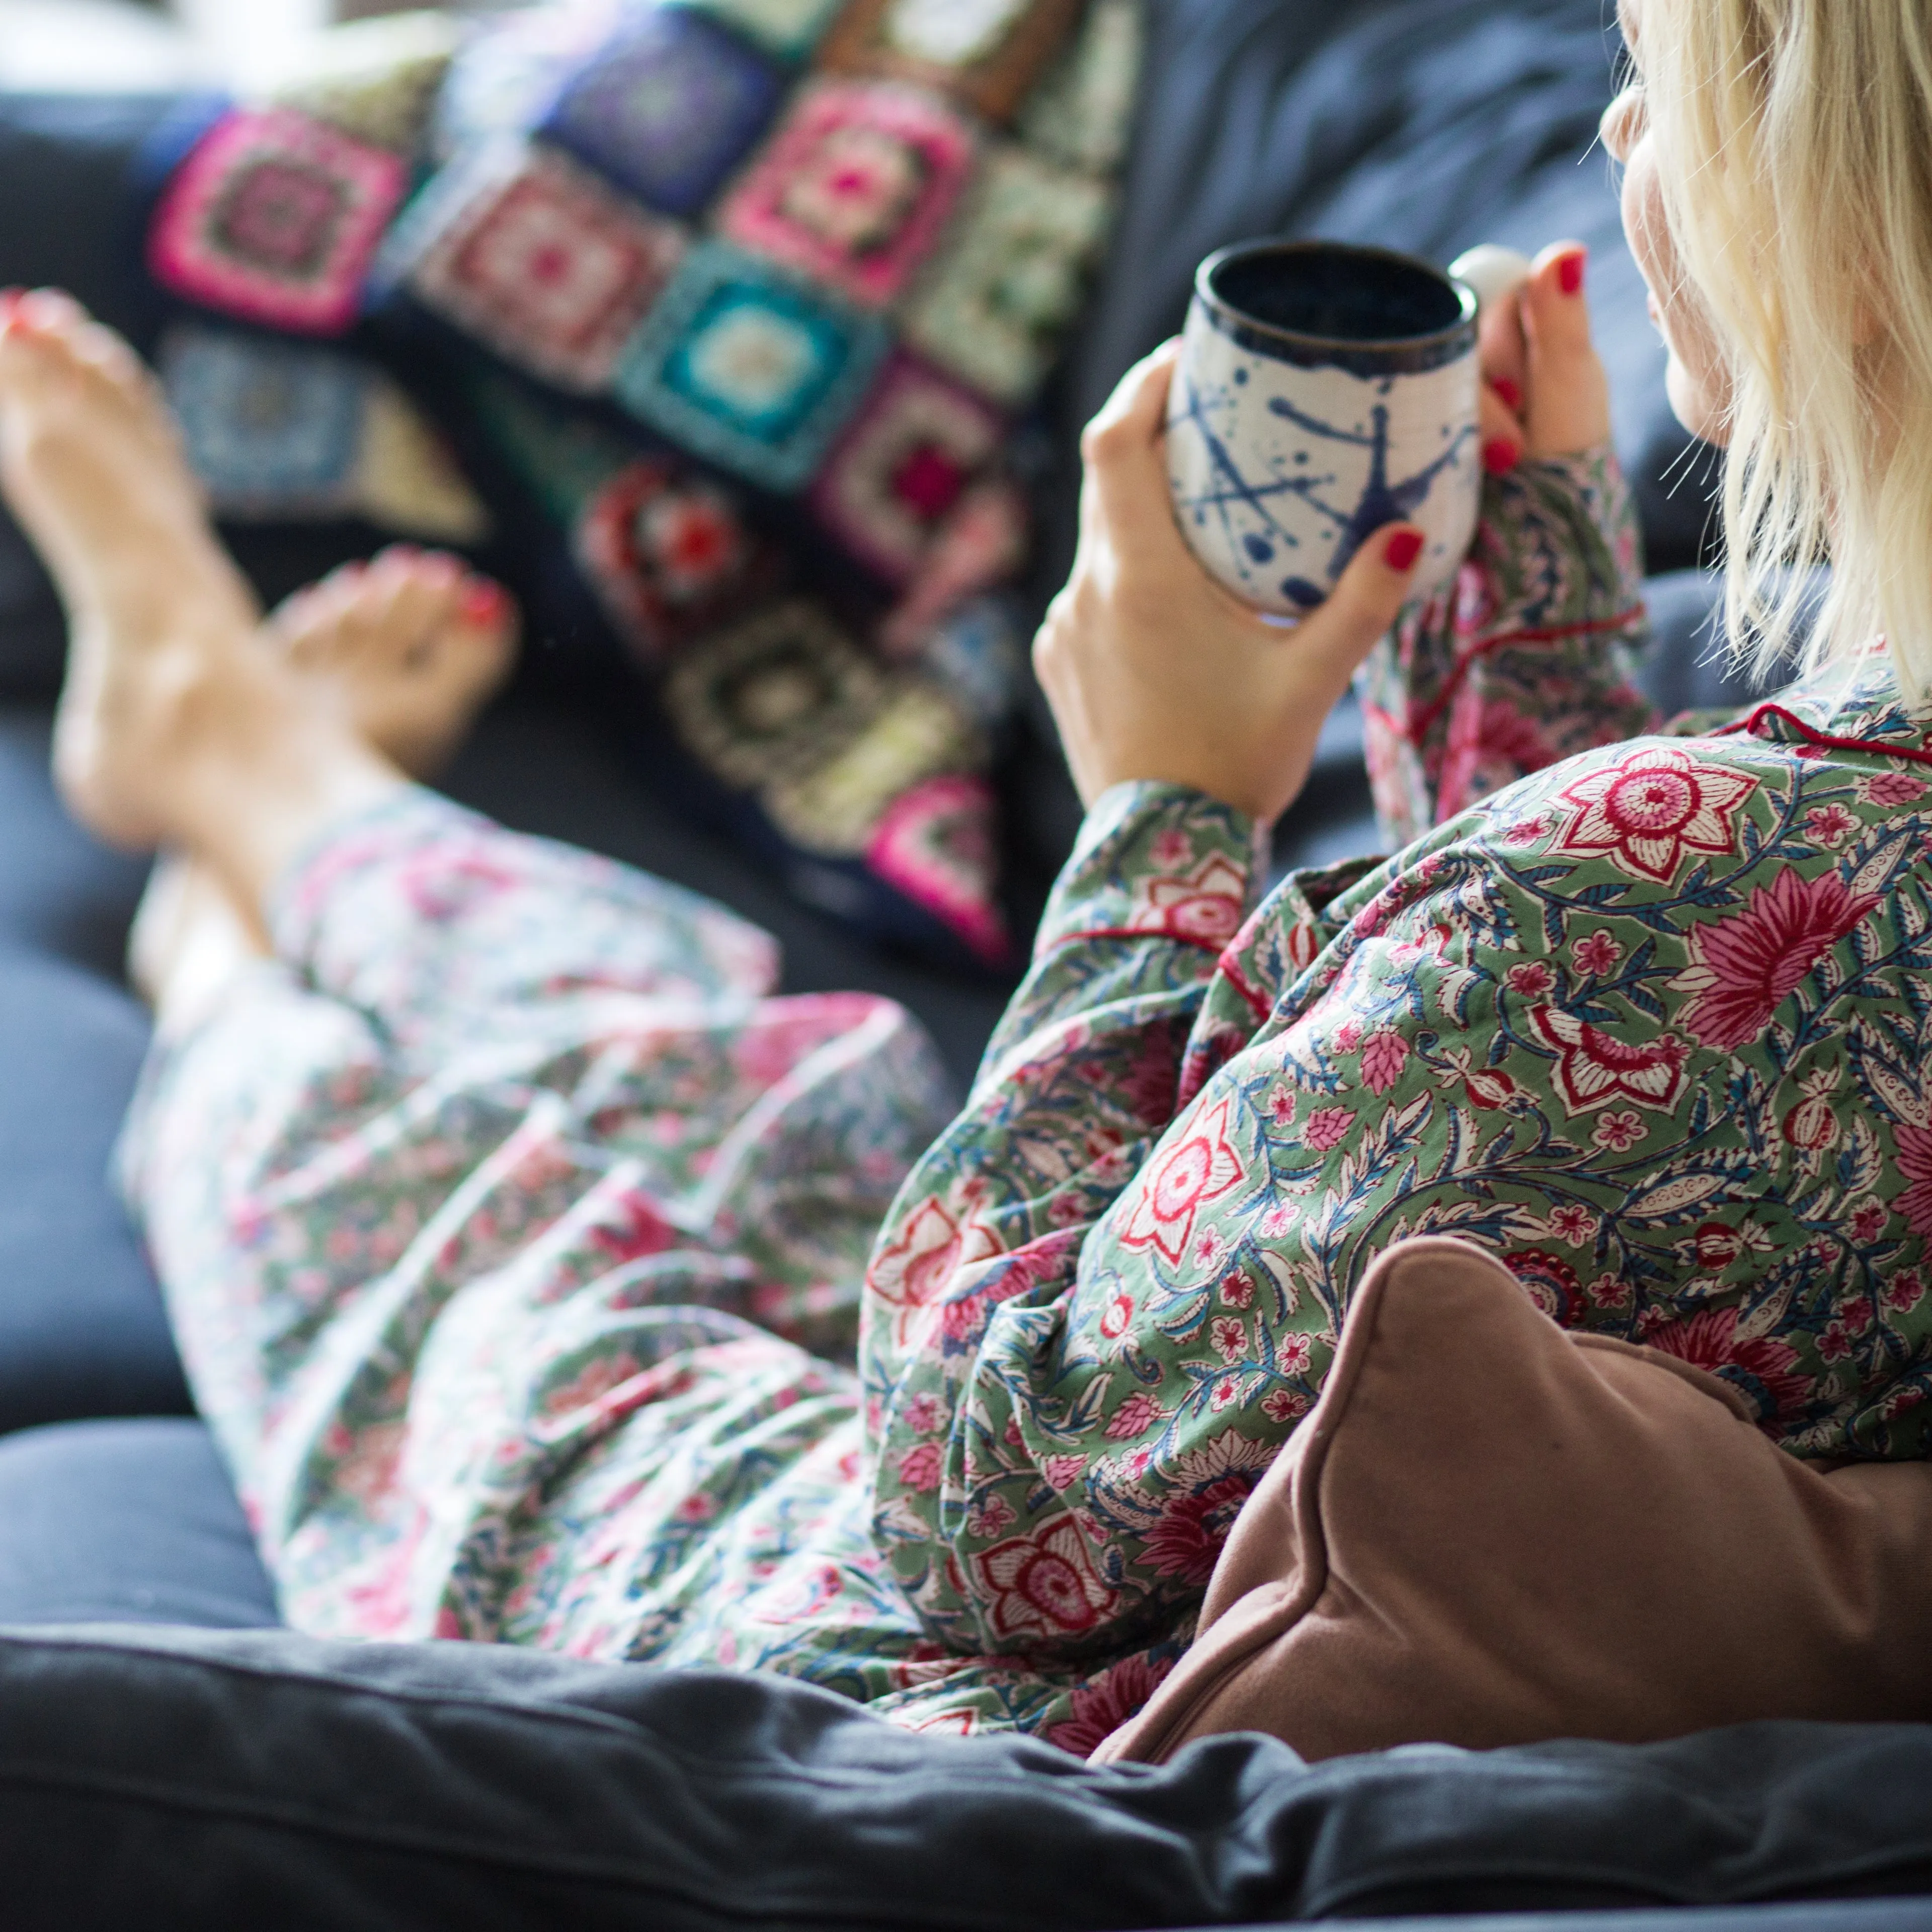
[{"x": 462, "y": 1198}]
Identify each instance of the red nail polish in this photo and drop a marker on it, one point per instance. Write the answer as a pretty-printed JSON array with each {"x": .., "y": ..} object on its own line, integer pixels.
[
  {"x": 1570, "y": 273},
  {"x": 483, "y": 603},
  {"x": 1402, "y": 550},
  {"x": 1500, "y": 456},
  {"x": 1511, "y": 396}
]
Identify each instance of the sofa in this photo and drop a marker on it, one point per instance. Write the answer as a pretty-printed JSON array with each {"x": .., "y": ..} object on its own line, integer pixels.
[{"x": 169, "y": 1755}]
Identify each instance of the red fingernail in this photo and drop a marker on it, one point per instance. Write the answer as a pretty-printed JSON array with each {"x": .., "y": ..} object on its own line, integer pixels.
[
  {"x": 1402, "y": 550},
  {"x": 1500, "y": 456},
  {"x": 1512, "y": 396},
  {"x": 1570, "y": 273},
  {"x": 483, "y": 603}
]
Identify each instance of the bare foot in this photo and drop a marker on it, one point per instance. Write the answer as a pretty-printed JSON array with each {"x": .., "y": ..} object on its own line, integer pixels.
[
  {"x": 413, "y": 645},
  {"x": 91, "y": 467},
  {"x": 175, "y": 727}
]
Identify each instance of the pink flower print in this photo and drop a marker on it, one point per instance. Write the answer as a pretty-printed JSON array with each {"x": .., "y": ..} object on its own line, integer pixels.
[
  {"x": 1327, "y": 1127},
  {"x": 1525, "y": 831},
  {"x": 1867, "y": 1222},
  {"x": 1284, "y": 1405},
  {"x": 1135, "y": 1417},
  {"x": 1548, "y": 1280},
  {"x": 910, "y": 1273},
  {"x": 1532, "y": 979},
  {"x": 1238, "y": 1291},
  {"x": 1811, "y": 1125},
  {"x": 1598, "y": 954},
  {"x": 1572, "y": 1223},
  {"x": 926, "y": 1413},
  {"x": 592, "y": 1384},
  {"x": 1225, "y": 1389},
  {"x": 1619, "y": 1132},
  {"x": 1383, "y": 1056},
  {"x": 1651, "y": 807},
  {"x": 1186, "y": 1541},
  {"x": 1892, "y": 788},
  {"x": 1829, "y": 825},
  {"x": 1608, "y": 1291},
  {"x": 1041, "y": 1585},
  {"x": 1915, "y": 1162},
  {"x": 1281, "y": 1105},
  {"x": 1277, "y": 1221},
  {"x": 1905, "y": 1291},
  {"x": 1716, "y": 1246},
  {"x": 695, "y": 1508},
  {"x": 920, "y": 1467},
  {"x": 1100, "y": 1706},
  {"x": 1593, "y": 1067},
  {"x": 1117, "y": 1317},
  {"x": 1834, "y": 1344},
  {"x": 1062, "y": 1472},
  {"x": 1293, "y": 1352},
  {"x": 1208, "y": 1248},
  {"x": 1347, "y": 1036},
  {"x": 1229, "y": 1338},
  {"x": 1200, "y": 1166},
  {"x": 1743, "y": 968},
  {"x": 1204, "y": 907},
  {"x": 1710, "y": 1340},
  {"x": 1171, "y": 850},
  {"x": 990, "y": 1517}
]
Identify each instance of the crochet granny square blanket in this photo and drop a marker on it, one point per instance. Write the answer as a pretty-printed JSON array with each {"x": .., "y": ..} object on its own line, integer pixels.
[{"x": 746, "y": 300}]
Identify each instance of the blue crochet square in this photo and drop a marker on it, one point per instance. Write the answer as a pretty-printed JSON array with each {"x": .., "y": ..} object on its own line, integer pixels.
[
  {"x": 666, "y": 107},
  {"x": 749, "y": 369},
  {"x": 270, "y": 427}
]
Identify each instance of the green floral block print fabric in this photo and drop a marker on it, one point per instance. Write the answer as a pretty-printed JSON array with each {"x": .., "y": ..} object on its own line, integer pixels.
[{"x": 515, "y": 1234}]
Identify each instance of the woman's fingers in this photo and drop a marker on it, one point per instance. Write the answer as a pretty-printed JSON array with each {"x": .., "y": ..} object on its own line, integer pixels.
[
  {"x": 1122, "y": 447},
  {"x": 1503, "y": 435},
  {"x": 1502, "y": 352},
  {"x": 1331, "y": 642},
  {"x": 1569, "y": 401}
]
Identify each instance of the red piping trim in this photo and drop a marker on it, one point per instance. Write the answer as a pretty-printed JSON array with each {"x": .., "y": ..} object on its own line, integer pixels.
[
  {"x": 1417, "y": 722},
  {"x": 1826, "y": 739},
  {"x": 1133, "y": 932}
]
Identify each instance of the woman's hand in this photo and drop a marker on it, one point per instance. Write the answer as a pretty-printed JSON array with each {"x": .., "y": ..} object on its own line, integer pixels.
[
  {"x": 1154, "y": 671},
  {"x": 1544, "y": 392}
]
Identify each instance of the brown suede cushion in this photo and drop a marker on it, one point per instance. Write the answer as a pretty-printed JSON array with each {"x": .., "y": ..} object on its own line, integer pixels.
[{"x": 1489, "y": 1532}]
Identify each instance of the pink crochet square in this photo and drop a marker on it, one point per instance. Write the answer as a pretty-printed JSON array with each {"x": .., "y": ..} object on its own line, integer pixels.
[
  {"x": 854, "y": 186},
  {"x": 275, "y": 218},
  {"x": 898, "y": 472},
  {"x": 547, "y": 265},
  {"x": 937, "y": 844}
]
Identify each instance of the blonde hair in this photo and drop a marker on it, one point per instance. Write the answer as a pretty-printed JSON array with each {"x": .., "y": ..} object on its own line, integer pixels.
[{"x": 1794, "y": 141}]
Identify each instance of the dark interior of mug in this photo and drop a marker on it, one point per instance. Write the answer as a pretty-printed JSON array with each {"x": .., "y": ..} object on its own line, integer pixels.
[{"x": 1338, "y": 294}]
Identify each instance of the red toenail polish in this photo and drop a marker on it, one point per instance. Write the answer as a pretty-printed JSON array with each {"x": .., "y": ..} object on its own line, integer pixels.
[
  {"x": 1511, "y": 396},
  {"x": 1500, "y": 456},
  {"x": 1570, "y": 273},
  {"x": 1402, "y": 550},
  {"x": 483, "y": 603}
]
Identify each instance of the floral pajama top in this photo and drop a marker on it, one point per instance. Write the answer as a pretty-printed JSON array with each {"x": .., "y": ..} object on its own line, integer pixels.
[{"x": 514, "y": 1233}]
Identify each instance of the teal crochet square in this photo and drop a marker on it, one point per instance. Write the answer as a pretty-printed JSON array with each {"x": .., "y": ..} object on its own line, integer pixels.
[{"x": 752, "y": 370}]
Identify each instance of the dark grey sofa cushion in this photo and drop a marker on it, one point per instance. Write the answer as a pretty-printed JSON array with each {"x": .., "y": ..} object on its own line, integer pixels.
[{"x": 170, "y": 1780}]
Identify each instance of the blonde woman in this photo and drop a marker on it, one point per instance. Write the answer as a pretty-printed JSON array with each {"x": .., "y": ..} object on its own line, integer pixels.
[{"x": 500, "y": 1209}]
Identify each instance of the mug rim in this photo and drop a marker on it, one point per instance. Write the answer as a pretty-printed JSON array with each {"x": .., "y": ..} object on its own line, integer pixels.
[{"x": 1205, "y": 293}]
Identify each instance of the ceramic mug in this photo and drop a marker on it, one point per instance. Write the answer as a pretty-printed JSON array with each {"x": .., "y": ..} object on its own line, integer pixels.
[{"x": 1323, "y": 392}]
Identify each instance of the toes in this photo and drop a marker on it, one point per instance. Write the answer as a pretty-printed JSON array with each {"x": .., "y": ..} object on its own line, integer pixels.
[{"x": 416, "y": 594}]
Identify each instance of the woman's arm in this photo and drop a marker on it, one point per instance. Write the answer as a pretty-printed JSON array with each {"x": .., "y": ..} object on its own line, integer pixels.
[
  {"x": 1525, "y": 660},
  {"x": 1189, "y": 722}
]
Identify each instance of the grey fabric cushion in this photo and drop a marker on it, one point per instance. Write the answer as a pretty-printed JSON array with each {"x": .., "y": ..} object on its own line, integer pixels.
[
  {"x": 168, "y": 1780},
  {"x": 129, "y": 1522}
]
